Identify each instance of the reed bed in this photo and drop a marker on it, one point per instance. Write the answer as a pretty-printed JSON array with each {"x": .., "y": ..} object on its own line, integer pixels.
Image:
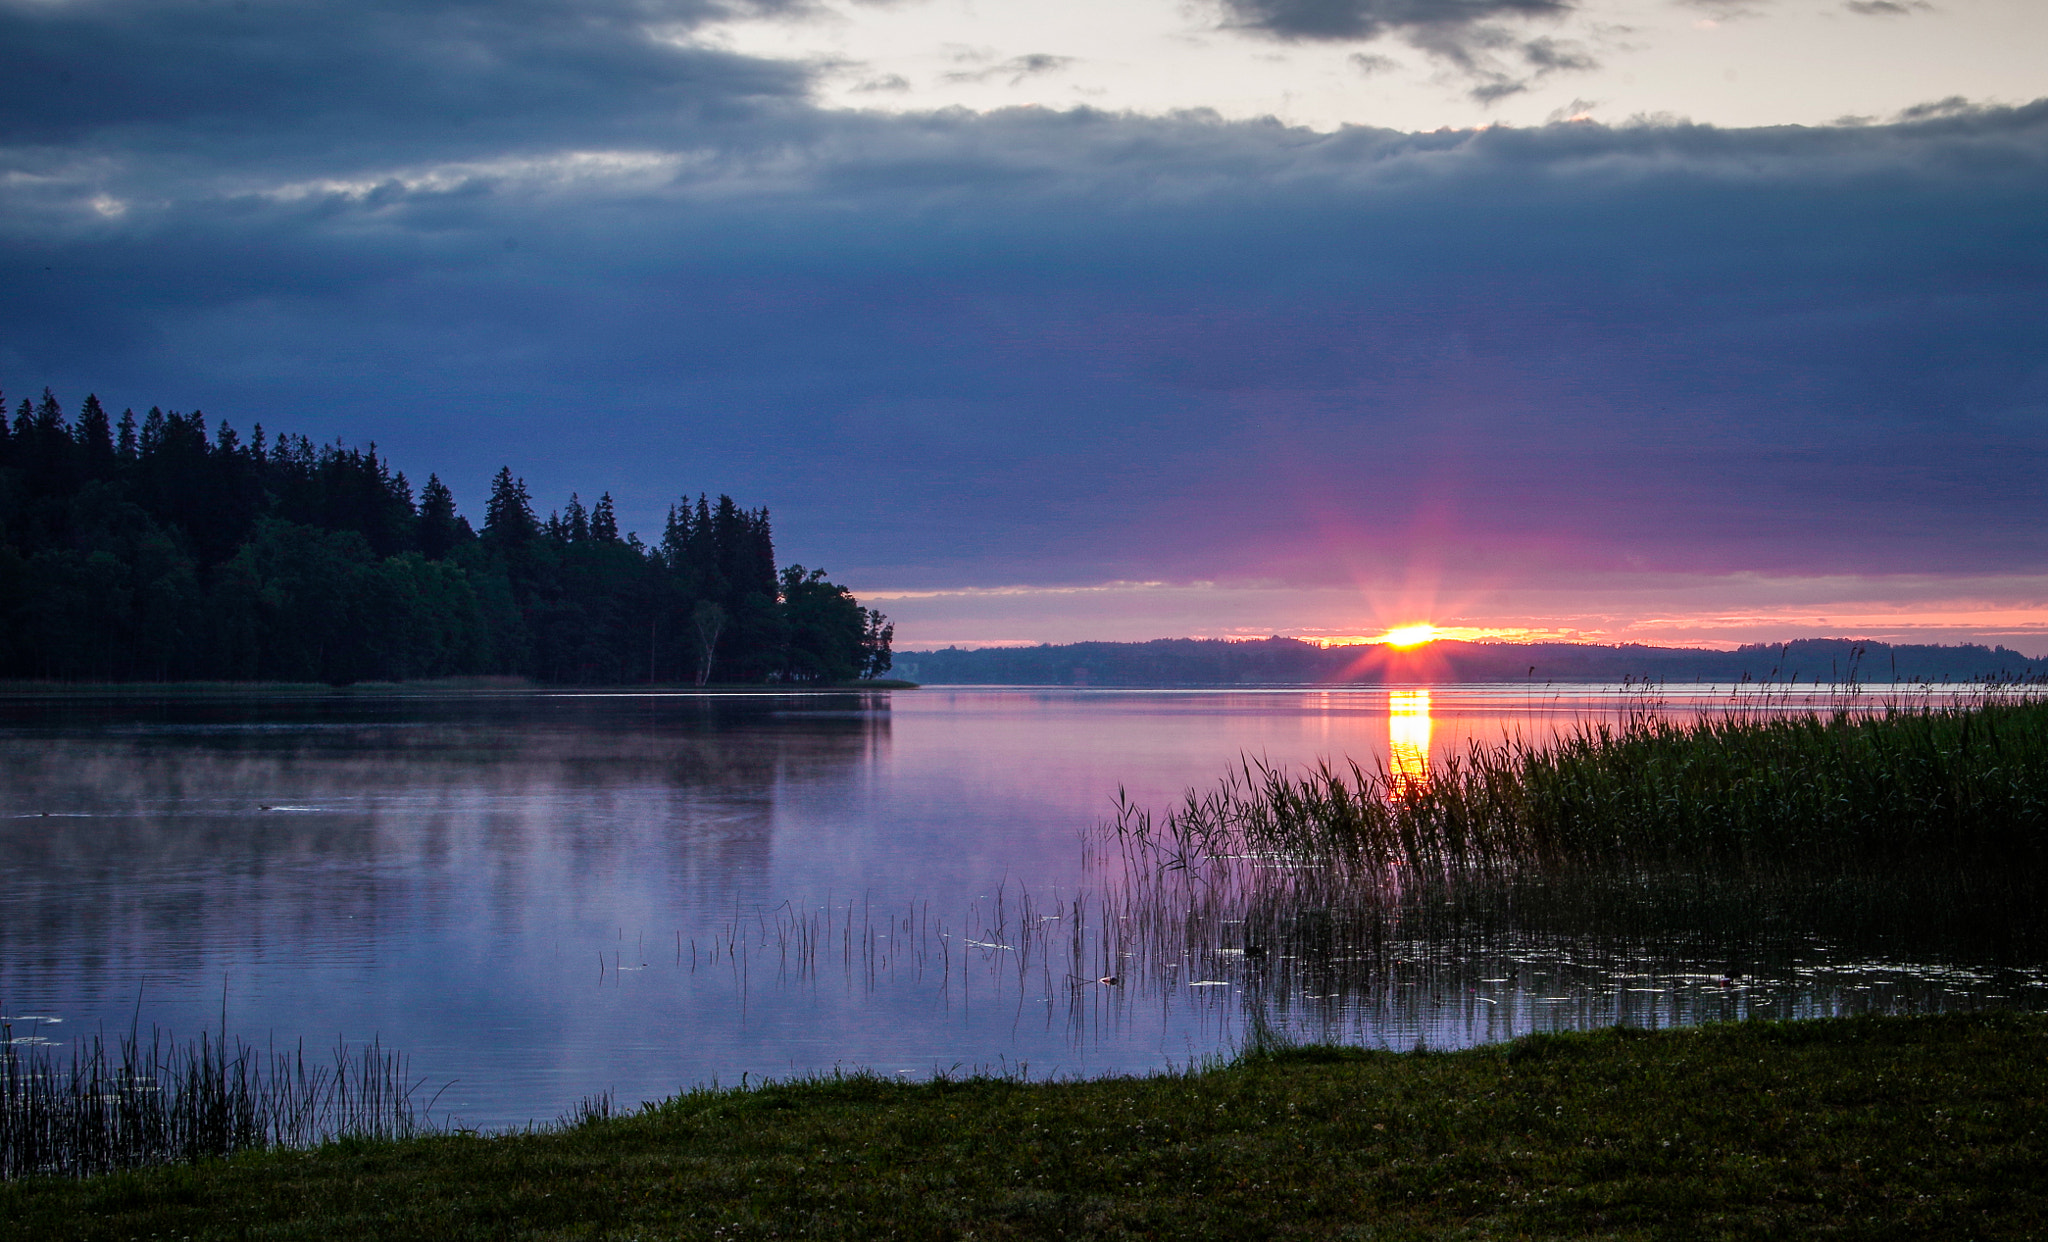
[
  {"x": 1961, "y": 784},
  {"x": 1727, "y": 850},
  {"x": 135, "y": 1104}
]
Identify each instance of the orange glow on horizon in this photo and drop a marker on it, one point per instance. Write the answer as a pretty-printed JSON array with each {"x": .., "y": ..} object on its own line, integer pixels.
[{"x": 1411, "y": 635}]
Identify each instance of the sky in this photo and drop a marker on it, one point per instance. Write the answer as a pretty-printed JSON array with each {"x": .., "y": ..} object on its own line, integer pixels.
[{"x": 1672, "y": 321}]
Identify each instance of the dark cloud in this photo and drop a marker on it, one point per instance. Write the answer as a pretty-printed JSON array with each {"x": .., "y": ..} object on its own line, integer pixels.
[
  {"x": 393, "y": 77},
  {"x": 1887, "y": 8},
  {"x": 1497, "y": 63},
  {"x": 1369, "y": 19},
  {"x": 1954, "y": 105},
  {"x": 1045, "y": 346},
  {"x": 1466, "y": 35},
  {"x": 1551, "y": 55}
]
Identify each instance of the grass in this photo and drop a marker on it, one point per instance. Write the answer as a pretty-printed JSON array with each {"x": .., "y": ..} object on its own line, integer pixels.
[
  {"x": 1955, "y": 783},
  {"x": 1871, "y": 1128}
]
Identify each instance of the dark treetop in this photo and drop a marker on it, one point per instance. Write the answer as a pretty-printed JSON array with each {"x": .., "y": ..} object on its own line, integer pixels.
[{"x": 152, "y": 551}]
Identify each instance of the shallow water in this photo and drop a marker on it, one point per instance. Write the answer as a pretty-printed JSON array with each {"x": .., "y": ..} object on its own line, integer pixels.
[{"x": 541, "y": 896}]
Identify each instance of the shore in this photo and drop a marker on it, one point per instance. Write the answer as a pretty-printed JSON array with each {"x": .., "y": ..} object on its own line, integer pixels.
[{"x": 1927, "y": 1127}]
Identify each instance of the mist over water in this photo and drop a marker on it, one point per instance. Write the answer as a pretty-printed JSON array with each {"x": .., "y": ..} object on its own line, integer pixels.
[{"x": 541, "y": 896}]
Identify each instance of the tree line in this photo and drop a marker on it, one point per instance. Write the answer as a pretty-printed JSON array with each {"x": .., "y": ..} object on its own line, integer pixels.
[{"x": 153, "y": 550}]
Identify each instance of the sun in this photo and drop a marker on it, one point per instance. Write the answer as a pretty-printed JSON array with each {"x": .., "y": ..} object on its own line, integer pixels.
[{"x": 1410, "y": 635}]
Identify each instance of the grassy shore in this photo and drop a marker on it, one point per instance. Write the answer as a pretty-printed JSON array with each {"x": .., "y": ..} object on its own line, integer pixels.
[{"x": 1910, "y": 1128}]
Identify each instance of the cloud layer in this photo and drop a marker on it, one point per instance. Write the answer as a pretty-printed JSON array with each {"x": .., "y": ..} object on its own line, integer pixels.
[{"x": 1030, "y": 346}]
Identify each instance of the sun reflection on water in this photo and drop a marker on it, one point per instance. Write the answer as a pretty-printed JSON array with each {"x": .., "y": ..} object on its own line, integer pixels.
[{"x": 1408, "y": 739}]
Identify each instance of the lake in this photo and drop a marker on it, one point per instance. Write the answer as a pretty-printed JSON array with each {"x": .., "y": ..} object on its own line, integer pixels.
[{"x": 541, "y": 896}]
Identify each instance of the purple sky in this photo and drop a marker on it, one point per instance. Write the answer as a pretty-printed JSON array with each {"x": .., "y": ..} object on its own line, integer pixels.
[{"x": 1055, "y": 373}]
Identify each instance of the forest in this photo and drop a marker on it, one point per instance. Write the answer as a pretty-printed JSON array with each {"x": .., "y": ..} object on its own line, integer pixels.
[{"x": 153, "y": 550}]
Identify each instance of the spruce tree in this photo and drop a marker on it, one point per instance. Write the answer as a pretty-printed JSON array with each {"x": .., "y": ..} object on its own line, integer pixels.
[
  {"x": 50, "y": 415},
  {"x": 508, "y": 515},
  {"x": 675, "y": 539},
  {"x": 152, "y": 432},
  {"x": 604, "y": 524},
  {"x": 95, "y": 439},
  {"x": 440, "y": 529}
]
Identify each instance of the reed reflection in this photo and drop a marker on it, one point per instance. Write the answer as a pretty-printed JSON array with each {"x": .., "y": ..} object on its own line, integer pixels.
[{"x": 1408, "y": 728}]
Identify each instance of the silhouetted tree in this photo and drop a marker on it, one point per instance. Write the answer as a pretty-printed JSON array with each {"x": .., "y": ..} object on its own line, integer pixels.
[
  {"x": 441, "y": 528},
  {"x": 95, "y": 437},
  {"x": 508, "y": 515},
  {"x": 156, "y": 550}
]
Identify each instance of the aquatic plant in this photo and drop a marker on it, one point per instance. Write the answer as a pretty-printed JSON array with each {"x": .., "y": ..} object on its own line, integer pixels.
[
  {"x": 1955, "y": 783},
  {"x": 162, "y": 1102}
]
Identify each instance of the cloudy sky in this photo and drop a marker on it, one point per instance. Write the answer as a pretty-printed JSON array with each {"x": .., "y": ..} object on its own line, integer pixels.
[{"x": 1695, "y": 321}]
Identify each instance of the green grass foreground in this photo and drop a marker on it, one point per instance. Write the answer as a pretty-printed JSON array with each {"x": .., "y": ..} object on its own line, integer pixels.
[{"x": 1871, "y": 1128}]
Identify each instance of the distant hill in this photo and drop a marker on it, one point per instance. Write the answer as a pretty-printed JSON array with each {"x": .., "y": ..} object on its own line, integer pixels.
[{"x": 1290, "y": 662}]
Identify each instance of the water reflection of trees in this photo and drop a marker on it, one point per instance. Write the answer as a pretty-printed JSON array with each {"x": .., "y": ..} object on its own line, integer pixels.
[{"x": 167, "y": 833}]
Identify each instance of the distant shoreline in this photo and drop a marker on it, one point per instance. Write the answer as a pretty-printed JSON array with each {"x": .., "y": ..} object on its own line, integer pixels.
[{"x": 1277, "y": 662}]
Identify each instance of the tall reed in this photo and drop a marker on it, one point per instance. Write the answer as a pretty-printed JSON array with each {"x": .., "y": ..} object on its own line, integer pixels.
[
  {"x": 167, "y": 1103},
  {"x": 1959, "y": 784}
]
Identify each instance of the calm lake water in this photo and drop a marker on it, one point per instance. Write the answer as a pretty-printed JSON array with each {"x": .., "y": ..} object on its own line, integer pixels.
[{"x": 542, "y": 896}]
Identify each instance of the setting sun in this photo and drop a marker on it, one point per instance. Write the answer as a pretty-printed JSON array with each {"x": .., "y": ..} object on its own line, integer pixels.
[{"x": 1410, "y": 635}]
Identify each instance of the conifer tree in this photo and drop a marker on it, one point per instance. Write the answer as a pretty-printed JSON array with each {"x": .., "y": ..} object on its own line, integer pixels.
[
  {"x": 43, "y": 447},
  {"x": 508, "y": 515},
  {"x": 604, "y": 524},
  {"x": 95, "y": 439},
  {"x": 704, "y": 552},
  {"x": 440, "y": 528},
  {"x": 50, "y": 415},
  {"x": 675, "y": 539}
]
